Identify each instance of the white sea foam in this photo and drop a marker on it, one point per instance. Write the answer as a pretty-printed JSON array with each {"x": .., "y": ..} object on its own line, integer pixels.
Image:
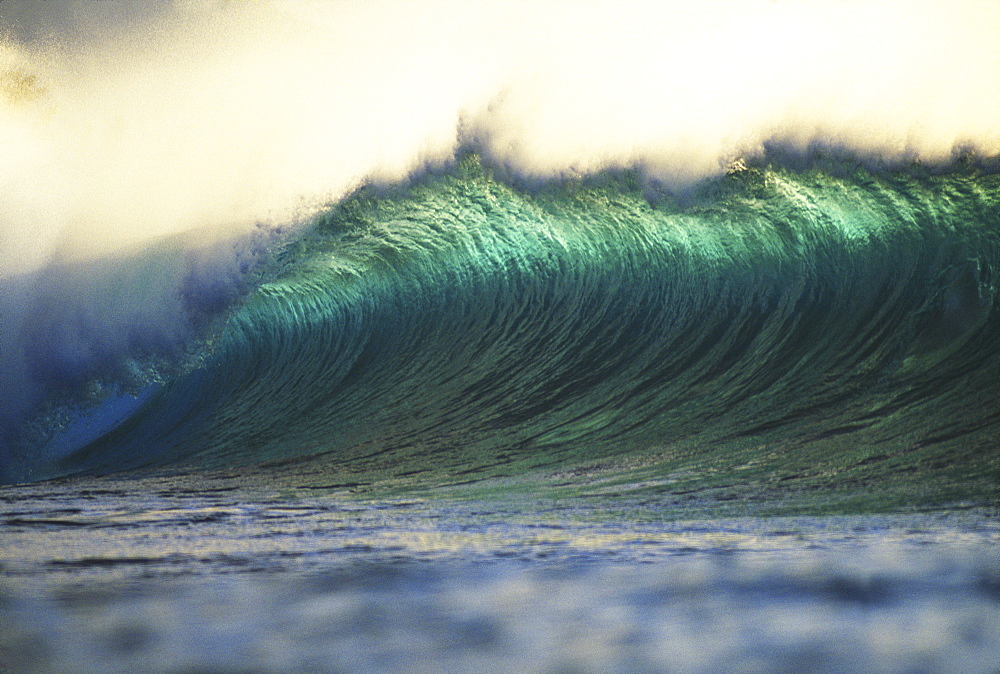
[{"x": 121, "y": 123}]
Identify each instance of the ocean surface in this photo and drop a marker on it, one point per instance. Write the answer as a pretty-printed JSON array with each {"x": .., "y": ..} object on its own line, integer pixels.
[
  {"x": 230, "y": 574},
  {"x": 306, "y": 368},
  {"x": 578, "y": 426}
]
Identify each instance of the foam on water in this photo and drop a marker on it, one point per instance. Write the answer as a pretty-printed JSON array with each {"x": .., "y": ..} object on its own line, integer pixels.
[{"x": 175, "y": 574}]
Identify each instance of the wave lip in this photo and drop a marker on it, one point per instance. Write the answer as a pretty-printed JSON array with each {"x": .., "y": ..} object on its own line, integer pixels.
[{"x": 121, "y": 123}]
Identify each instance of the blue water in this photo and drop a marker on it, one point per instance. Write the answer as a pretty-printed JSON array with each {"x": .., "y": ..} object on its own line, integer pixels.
[{"x": 223, "y": 573}]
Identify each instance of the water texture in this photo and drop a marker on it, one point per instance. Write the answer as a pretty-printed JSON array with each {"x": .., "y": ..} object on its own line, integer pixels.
[
  {"x": 477, "y": 337},
  {"x": 183, "y": 573},
  {"x": 798, "y": 325}
]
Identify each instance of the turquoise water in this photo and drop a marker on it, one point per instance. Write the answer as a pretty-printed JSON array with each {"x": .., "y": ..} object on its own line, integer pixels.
[
  {"x": 824, "y": 328},
  {"x": 484, "y": 337},
  {"x": 473, "y": 424}
]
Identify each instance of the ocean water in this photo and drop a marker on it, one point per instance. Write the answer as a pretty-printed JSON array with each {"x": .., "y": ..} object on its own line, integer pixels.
[
  {"x": 776, "y": 328},
  {"x": 209, "y": 573},
  {"x": 488, "y": 374},
  {"x": 468, "y": 425}
]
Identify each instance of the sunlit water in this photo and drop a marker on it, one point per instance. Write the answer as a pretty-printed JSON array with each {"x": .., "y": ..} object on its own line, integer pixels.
[
  {"x": 165, "y": 574},
  {"x": 602, "y": 288}
]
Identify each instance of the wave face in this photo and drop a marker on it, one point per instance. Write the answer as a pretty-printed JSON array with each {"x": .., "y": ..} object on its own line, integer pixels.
[{"x": 467, "y": 327}]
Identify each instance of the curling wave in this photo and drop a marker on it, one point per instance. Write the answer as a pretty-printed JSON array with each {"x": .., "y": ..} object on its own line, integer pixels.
[{"x": 465, "y": 327}]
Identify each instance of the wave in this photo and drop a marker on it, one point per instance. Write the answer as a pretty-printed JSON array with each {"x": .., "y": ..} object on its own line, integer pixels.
[
  {"x": 416, "y": 243},
  {"x": 462, "y": 327}
]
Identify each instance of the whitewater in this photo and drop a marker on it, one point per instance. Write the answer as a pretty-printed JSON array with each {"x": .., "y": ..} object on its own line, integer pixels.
[{"x": 447, "y": 305}]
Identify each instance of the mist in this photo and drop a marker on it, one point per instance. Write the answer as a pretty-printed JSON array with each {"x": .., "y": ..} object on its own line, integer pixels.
[{"x": 121, "y": 123}]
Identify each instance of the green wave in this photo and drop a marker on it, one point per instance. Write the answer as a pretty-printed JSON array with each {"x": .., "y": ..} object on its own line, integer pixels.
[{"x": 775, "y": 332}]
